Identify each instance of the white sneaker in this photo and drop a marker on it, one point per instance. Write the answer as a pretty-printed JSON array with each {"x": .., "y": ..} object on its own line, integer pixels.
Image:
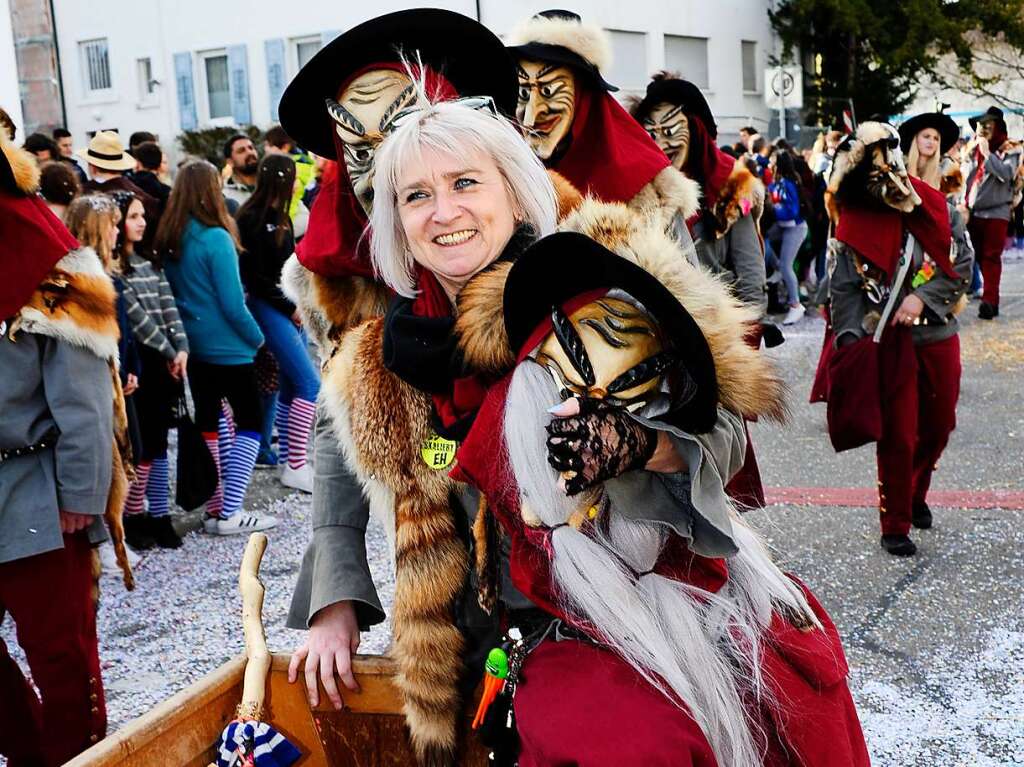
[
  {"x": 108, "y": 559},
  {"x": 794, "y": 315},
  {"x": 240, "y": 522},
  {"x": 298, "y": 479}
]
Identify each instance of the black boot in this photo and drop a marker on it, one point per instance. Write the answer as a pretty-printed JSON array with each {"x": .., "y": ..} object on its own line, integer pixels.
[
  {"x": 987, "y": 311},
  {"x": 136, "y": 532},
  {"x": 163, "y": 532},
  {"x": 921, "y": 515},
  {"x": 899, "y": 545}
]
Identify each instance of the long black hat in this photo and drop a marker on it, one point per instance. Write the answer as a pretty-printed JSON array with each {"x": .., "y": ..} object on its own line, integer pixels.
[
  {"x": 565, "y": 265},
  {"x": 948, "y": 130},
  {"x": 992, "y": 113},
  {"x": 461, "y": 49},
  {"x": 674, "y": 90}
]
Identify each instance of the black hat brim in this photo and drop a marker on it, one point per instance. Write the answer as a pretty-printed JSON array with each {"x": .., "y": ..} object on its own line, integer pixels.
[
  {"x": 461, "y": 49},
  {"x": 948, "y": 130},
  {"x": 992, "y": 113},
  {"x": 558, "y": 54},
  {"x": 681, "y": 93},
  {"x": 564, "y": 265}
]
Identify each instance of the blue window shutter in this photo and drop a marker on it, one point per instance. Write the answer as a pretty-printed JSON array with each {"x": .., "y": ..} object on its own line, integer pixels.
[
  {"x": 238, "y": 71},
  {"x": 274, "y": 50},
  {"x": 327, "y": 35},
  {"x": 186, "y": 91}
]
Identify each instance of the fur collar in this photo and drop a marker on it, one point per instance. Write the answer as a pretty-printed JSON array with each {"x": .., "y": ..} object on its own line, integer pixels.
[
  {"x": 748, "y": 384},
  {"x": 24, "y": 169},
  {"x": 741, "y": 195},
  {"x": 668, "y": 193},
  {"x": 75, "y": 303},
  {"x": 588, "y": 41}
]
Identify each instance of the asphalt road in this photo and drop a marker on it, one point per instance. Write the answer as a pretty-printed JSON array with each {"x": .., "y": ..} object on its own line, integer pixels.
[{"x": 935, "y": 643}]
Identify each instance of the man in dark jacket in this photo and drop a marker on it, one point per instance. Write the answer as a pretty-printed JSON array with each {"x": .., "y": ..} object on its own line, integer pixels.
[{"x": 150, "y": 157}]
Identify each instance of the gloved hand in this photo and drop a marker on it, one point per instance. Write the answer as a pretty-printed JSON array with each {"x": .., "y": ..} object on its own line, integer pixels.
[{"x": 601, "y": 442}]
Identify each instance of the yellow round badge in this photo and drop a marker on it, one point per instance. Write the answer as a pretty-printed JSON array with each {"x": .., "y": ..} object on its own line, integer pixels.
[{"x": 438, "y": 452}]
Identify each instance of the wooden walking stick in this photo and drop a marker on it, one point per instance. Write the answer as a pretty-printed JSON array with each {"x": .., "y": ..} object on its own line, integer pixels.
[{"x": 247, "y": 741}]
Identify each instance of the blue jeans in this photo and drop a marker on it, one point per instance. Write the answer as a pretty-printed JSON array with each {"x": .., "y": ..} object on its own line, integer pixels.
[
  {"x": 792, "y": 238},
  {"x": 298, "y": 375}
]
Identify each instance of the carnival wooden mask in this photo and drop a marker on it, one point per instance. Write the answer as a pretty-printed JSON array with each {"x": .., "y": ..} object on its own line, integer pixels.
[
  {"x": 608, "y": 349},
  {"x": 668, "y": 126},
  {"x": 364, "y": 115},
  {"x": 888, "y": 179},
  {"x": 546, "y": 106},
  {"x": 869, "y": 168}
]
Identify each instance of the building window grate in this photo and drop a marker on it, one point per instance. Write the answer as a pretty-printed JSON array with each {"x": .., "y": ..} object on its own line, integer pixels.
[{"x": 96, "y": 64}]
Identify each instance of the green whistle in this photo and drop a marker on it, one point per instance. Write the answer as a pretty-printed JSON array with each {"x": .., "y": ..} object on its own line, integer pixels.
[{"x": 497, "y": 663}]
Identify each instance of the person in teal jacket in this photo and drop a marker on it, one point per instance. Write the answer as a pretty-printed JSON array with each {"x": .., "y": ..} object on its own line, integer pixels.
[{"x": 198, "y": 244}]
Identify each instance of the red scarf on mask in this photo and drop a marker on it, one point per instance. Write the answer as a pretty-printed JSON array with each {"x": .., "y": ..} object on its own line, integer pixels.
[
  {"x": 878, "y": 234},
  {"x": 334, "y": 245},
  {"x": 610, "y": 156},
  {"x": 705, "y": 163}
]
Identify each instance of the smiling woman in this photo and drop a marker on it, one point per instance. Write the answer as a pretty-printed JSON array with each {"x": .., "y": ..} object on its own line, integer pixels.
[{"x": 460, "y": 182}]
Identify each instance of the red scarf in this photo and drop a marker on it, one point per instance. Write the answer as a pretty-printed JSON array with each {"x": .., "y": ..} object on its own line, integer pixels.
[
  {"x": 878, "y": 234},
  {"x": 610, "y": 156},
  {"x": 334, "y": 245},
  {"x": 467, "y": 392},
  {"x": 33, "y": 241},
  {"x": 705, "y": 163}
]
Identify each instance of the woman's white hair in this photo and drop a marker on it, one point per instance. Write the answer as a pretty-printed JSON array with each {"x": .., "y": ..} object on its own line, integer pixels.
[
  {"x": 455, "y": 129},
  {"x": 701, "y": 649}
]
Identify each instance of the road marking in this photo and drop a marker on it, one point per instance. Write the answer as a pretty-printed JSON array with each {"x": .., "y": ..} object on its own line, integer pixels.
[{"x": 868, "y": 496}]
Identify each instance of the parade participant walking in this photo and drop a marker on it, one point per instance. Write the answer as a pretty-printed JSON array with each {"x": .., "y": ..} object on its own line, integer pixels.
[
  {"x": 725, "y": 231},
  {"x": 198, "y": 245},
  {"x": 265, "y": 228},
  {"x": 62, "y": 468},
  {"x": 576, "y": 127},
  {"x": 163, "y": 352},
  {"x": 933, "y": 306},
  {"x": 789, "y": 227},
  {"x": 994, "y": 161},
  {"x": 892, "y": 232}
]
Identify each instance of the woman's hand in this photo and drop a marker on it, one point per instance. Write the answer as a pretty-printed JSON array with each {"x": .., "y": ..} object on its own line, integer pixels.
[
  {"x": 591, "y": 441},
  {"x": 178, "y": 365},
  {"x": 332, "y": 640},
  {"x": 131, "y": 384},
  {"x": 908, "y": 311},
  {"x": 71, "y": 522}
]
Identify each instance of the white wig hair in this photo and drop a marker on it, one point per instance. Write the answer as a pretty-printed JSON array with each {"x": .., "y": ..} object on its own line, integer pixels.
[
  {"x": 702, "y": 650},
  {"x": 457, "y": 130}
]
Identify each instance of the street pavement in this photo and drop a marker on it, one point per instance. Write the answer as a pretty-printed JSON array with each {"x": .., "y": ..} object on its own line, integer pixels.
[{"x": 935, "y": 643}]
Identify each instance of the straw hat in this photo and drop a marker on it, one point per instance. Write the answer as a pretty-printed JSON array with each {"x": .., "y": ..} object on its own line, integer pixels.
[{"x": 106, "y": 151}]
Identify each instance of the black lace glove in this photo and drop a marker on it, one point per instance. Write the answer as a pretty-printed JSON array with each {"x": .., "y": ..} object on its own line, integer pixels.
[{"x": 600, "y": 443}]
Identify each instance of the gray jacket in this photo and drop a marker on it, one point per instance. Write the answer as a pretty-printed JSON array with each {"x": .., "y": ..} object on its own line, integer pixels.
[
  {"x": 995, "y": 192},
  {"x": 849, "y": 303},
  {"x": 335, "y": 567},
  {"x": 52, "y": 387},
  {"x": 739, "y": 258}
]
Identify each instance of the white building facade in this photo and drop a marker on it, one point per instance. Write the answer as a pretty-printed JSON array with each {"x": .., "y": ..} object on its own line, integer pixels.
[{"x": 171, "y": 65}]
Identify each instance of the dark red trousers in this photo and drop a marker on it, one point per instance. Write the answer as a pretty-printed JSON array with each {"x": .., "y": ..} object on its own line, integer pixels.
[
  {"x": 50, "y": 598},
  {"x": 988, "y": 235},
  {"x": 921, "y": 388}
]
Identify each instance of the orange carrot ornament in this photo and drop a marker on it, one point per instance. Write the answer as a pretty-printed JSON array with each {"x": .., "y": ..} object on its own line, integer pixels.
[{"x": 496, "y": 672}]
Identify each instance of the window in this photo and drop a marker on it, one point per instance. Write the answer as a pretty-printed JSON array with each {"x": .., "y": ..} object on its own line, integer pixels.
[
  {"x": 748, "y": 53},
  {"x": 689, "y": 57},
  {"x": 218, "y": 85},
  {"x": 144, "y": 73},
  {"x": 305, "y": 50},
  {"x": 629, "y": 60},
  {"x": 95, "y": 65}
]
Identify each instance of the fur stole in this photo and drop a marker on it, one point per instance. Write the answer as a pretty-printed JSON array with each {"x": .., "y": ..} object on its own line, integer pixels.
[
  {"x": 747, "y": 382},
  {"x": 588, "y": 41},
  {"x": 75, "y": 304},
  {"x": 667, "y": 194},
  {"x": 381, "y": 422},
  {"x": 740, "y": 195}
]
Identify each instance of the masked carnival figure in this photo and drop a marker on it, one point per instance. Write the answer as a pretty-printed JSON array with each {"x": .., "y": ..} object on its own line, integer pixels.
[
  {"x": 65, "y": 464},
  {"x": 576, "y": 127},
  {"x": 899, "y": 264},
  {"x": 993, "y": 191},
  {"x": 653, "y": 610},
  {"x": 725, "y": 230}
]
